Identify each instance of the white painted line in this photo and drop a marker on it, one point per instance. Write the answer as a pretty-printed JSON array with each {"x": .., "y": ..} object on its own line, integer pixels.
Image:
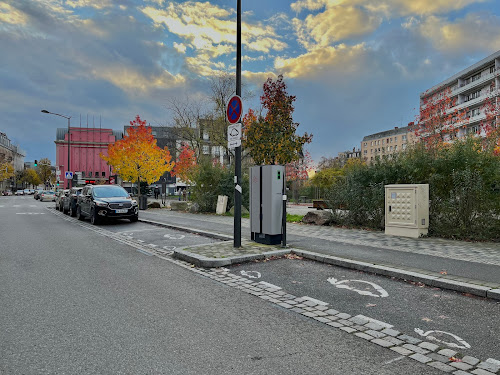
[
  {"x": 174, "y": 236},
  {"x": 380, "y": 292},
  {"x": 152, "y": 245},
  {"x": 141, "y": 241},
  {"x": 251, "y": 274},
  {"x": 431, "y": 335},
  {"x": 316, "y": 301},
  {"x": 169, "y": 248},
  {"x": 30, "y": 213},
  {"x": 269, "y": 285},
  {"x": 144, "y": 252},
  {"x": 394, "y": 360}
]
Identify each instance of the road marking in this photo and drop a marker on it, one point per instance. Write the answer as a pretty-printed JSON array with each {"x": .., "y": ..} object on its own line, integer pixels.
[
  {"x": 144, "y": 252},
  {"x": 251, "y": 274},
  {"x": 169, "y": 248},
  {"x": 394, "y": 360},
  {"x": 141, "y": 241},
  {"x": 174, "y": 236},
  {"x": 30, "y": 213},
  {"x": 431, "y": 335},
  {"x": 152, "y": 245},
  {"x": 342, "y": 285},
  {"x": 269, "y": 285}
]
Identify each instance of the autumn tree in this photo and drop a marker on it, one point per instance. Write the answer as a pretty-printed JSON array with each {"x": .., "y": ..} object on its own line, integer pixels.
[
  {"x": 490, "y": 125},
  {"x": 270, "y": 137},
  {"x": 6, "y": 171},
  {"x": 32, "y": 178},
  {"x": 136, "y": 157},
  {"x": 185, "y": 165},
  {"x": 44, "y": 170},
  {"x": 298, "y": 171},
  {"x": 439, "y": 120}
]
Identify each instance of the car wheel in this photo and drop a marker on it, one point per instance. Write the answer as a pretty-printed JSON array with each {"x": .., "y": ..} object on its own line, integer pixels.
[
  {"x": 79, "y": 214},
  {"x": 133, "y": 219},
  {"x": 94, "y": 219}
]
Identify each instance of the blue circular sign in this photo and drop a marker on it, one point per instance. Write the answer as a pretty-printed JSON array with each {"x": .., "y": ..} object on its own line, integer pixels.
[{"x": 234, "y": 109}]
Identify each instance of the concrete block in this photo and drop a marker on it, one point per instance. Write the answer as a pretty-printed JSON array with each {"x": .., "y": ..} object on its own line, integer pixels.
[{"x": 493, "y": 293}]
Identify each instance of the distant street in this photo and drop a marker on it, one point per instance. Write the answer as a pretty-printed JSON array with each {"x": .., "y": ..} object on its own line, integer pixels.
[{"x": 75, "y": 300}]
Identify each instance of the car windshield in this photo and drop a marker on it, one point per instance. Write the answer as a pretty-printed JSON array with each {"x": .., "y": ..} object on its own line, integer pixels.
[{"x": 109, "y": 191}]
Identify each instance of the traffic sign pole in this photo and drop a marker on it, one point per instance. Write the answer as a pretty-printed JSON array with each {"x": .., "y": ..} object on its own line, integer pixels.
[{"x": 237, "y": 151}]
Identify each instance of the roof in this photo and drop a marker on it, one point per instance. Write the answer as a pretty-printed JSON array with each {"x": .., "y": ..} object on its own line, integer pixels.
[{"x": 387, "y": 133}]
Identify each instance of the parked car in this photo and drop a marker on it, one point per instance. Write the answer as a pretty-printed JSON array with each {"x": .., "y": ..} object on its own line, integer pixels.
[
  {"x": 6, "y": 192},
  {"x": 70, "y": 201},
  {"x": 37, "y": 193},
  {"x": 47, "y": 196},
  {"x": 20, "y": 192},
  {"x": 99, "y": 202},
  {"x": 59, "y": 198}
]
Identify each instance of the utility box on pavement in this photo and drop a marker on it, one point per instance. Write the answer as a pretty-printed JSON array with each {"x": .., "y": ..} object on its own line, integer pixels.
[
  {"x": 407, "y": 210},
  {"x": 267, "y": 187},
  {"x": 221, "y": 205}
]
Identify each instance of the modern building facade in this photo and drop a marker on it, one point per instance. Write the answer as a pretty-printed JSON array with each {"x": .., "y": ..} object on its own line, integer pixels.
[
  {"x": 469, "y": 90},
  {"x": 86, "y": 144},
  {"x": 386, "y": 143}
]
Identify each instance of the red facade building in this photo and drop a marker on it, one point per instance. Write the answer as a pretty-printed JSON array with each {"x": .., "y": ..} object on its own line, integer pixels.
[{"x": 85, "y": 146}]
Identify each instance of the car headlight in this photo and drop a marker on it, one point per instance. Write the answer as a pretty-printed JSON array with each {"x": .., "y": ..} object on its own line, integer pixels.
[
  {"x": 134, "y": 202},
  {"x": 101, "y": 204}
]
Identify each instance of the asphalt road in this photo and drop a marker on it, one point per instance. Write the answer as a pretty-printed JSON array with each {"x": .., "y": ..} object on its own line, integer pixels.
[
  {"x": 74, "y": 300},
  {"x": 406, "y": 306}
]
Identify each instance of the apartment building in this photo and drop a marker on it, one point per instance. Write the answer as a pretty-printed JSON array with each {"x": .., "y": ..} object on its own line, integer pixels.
[
  {"x": 12, "y": 154},
  {"x": 468, "y": 91},
  {"x": 386, "y": 143}
]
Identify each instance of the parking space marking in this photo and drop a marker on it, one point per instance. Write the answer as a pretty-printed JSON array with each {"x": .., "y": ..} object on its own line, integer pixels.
[
  {"x": 431, "y": 335},
  {"x": 174, "y": 236},
  {"x": 251, "y": 274},
  {"x": 169, "y": 248},
  {"x": 342, "y": 284}
]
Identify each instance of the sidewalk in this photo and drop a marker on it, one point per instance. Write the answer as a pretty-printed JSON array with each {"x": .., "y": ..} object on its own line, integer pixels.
[{"x": 429, "y": 260}]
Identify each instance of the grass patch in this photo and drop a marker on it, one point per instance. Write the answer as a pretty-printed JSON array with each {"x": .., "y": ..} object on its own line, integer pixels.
[{"x": 294, "y": 218}]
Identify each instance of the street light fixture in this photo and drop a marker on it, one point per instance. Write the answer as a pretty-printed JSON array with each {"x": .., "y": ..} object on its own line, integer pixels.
[{"x": 69, "y": 138}]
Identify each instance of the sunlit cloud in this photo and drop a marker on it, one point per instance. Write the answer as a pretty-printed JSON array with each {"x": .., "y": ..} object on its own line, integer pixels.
[
  {"x": 96, "y": 4},
  {"x": 179, "y": 47},
  {"x": 475, "y": 32},
  {"x": 134, "y": 82},
  {"x": 12, "y": 16},
  {"x": 258, "y": 78},
  {"x": 341, "y": 59},
  {"x": 335, "y": 24}
]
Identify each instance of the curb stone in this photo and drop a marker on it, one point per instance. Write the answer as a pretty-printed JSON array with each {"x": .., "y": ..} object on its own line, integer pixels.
[{"x": 435, "y": 281}]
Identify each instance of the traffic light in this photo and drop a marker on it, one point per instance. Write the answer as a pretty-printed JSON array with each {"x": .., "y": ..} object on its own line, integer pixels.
[{"x": 36, "y": 162}]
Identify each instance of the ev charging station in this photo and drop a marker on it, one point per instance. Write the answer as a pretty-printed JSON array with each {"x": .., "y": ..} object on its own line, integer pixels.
[{"x": 267, "y": 202}]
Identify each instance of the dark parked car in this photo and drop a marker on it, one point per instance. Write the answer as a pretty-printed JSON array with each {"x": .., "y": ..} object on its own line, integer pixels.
[
  {"x": 70, "y": 200},
  {"x": 59, "y": 198},
  {"x": 99, "y": 202}
]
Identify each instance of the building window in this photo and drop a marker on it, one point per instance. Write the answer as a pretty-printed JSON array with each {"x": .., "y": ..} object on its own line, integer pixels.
[
  {"x": 492, "y": 69},
  {"x": 391, "y": 140},
  {"x": 103, "y": 174},
  {"x": 475, "y": 77},
  {"x": 403, "y": 138},
  {"x": 83, "y": 174},
  {"x": 395, "y": 139},
  {"x": 396, "y": 148},
  {"x": 206, "y": 150},
  {"x": 366, "y": 144},
  {"x": 365, "y": 152},
  {"x": 404, "y": 146},
  {"x": 205, "y": 136}
]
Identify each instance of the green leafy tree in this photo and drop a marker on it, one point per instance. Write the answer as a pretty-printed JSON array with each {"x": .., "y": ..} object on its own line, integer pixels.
[
  {"x": 272, "y": 138},
  {"x": 44, "y": 170},
  {"x": 32, "y": 178}
]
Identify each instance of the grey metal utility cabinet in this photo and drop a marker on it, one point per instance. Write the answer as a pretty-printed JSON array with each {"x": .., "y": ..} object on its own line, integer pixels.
[{"x": 267, "y": 187}]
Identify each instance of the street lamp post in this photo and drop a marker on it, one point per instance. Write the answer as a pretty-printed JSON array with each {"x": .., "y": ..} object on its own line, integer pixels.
[{"x": 69, "y": 140}]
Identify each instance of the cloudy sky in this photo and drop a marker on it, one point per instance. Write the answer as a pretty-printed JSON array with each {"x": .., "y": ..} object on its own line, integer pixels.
[{"x": 357, "y": 67}]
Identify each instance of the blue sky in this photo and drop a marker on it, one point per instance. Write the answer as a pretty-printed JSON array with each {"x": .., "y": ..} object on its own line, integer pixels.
[{"x": 357, "y": 67}]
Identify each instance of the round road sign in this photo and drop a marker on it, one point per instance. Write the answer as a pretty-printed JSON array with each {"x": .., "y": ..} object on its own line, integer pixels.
[{"x": 234, "y": 109}]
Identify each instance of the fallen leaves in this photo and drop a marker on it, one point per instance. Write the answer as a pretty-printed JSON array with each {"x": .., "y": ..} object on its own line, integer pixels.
[
  {"x": 427, "y": 319},
  {"x": 293, "y": 256}
]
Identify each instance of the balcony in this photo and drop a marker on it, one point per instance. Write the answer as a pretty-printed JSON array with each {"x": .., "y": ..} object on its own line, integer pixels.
[
  {"x": 472, "y": 85},
  {"x": 473, "y": 102}
]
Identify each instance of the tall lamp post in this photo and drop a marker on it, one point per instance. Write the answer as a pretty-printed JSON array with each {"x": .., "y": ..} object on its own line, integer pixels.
[{"x": 69, "y": 140}]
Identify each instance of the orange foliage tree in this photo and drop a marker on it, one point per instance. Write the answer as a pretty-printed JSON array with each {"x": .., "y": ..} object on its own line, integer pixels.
[
  {"x": 438, "y": 120},
  {"x": 185, "y": 166},
  {"x": 271, "y": 139},
  {"x": 136, "y": 157}
]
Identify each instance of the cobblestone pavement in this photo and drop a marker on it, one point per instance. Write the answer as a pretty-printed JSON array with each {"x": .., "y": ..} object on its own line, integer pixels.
[{"x": 485, "y": 253}]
